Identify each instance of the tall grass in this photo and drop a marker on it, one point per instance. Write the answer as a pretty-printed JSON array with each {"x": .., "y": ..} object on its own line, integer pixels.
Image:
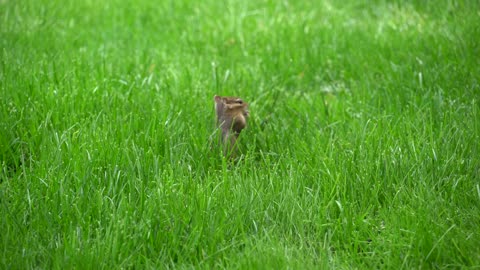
[{"x": 361, "y": 152}]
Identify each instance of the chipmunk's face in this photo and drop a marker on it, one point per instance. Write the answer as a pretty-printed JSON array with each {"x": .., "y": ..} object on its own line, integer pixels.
[{"x": 231, "y": 105}]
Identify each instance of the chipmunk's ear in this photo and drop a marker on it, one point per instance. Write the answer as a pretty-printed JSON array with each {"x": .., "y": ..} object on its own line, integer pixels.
[{"x": 218, "y": 99}]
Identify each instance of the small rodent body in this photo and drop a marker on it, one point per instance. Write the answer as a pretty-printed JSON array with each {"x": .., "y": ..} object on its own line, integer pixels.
[{"x": 232, "y": 114}]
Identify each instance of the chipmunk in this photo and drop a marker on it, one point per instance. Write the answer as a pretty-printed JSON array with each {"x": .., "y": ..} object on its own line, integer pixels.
[{"x": 232, "y": 114}]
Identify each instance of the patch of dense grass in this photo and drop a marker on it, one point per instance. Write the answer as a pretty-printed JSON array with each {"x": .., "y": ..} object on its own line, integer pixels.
[{"x": 361, "y": 152}]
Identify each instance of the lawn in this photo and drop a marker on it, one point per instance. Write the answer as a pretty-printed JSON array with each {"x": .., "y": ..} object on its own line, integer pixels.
[{"x": 362, "y": 148}]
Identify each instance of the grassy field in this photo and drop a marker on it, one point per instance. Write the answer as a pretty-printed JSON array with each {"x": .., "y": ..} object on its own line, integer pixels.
[{"x": 362, "y": 150}]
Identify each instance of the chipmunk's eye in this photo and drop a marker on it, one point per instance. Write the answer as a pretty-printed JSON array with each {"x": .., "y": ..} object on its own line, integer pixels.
[{"x": 239, "y": 101}]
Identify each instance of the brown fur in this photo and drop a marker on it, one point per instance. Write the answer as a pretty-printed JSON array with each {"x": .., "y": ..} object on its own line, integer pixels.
[{"x": 232, "y": 114}]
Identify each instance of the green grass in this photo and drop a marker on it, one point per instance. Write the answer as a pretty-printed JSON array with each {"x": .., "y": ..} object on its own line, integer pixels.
[{"x": 362, "y": 149}]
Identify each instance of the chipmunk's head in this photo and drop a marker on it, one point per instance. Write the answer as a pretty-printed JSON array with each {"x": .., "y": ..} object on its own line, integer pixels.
[{"x": 231, "y": 105}]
